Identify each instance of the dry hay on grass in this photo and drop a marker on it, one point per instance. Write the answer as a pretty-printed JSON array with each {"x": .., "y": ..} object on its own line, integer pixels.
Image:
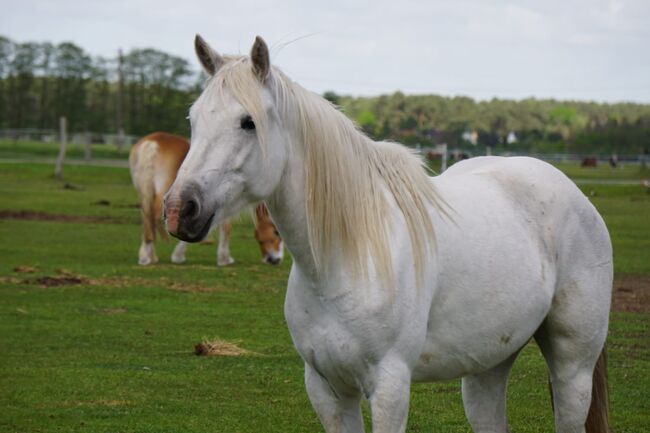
[
  {"x": 25, "y": 269},
  {"x": 218, "y": 347}
]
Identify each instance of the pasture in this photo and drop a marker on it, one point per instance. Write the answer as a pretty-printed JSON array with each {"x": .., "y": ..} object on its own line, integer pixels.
[{"x": 93, "y": 342}]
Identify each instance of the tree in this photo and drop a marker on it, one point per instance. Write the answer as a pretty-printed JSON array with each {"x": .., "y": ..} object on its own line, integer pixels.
[
  {"x": 332, "y": 97},
  {"x": 6, "y": 53},
  {"x": 71, "y": 73}
]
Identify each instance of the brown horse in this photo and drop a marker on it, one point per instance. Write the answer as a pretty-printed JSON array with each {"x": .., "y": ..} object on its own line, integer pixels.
[{"x": 154, "y": 161}]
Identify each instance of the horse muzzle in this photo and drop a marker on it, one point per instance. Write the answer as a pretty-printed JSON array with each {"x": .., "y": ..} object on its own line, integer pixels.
[{"x": 185, "y": 215}]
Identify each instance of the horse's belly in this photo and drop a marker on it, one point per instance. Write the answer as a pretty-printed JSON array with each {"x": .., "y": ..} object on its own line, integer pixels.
[
  {"x": 455, "y": 349},
  {"x": 472, "y": 329}
]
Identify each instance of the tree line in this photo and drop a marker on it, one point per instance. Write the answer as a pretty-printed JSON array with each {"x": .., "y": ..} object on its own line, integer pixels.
[
  {"x": 145, "y": 90},
  {"x": 528, "y": 125},
  {"x": 139, "y": 92}
]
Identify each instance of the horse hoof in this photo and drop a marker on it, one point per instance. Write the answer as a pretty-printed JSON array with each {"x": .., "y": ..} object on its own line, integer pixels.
[
  {"x": 178, "y": 259},
  {"x": 225, "y": 261}
]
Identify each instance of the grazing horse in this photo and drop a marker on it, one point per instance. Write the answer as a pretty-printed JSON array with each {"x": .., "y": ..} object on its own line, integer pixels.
[
  {"x": 399, "y": 277},
  {"x": 154, "y": 161}
]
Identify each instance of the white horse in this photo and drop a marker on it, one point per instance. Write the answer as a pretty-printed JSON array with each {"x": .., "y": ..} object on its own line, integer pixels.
[{"x": 396, "y": 276}]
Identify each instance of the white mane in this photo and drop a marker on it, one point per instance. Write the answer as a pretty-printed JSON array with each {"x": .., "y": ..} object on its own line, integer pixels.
[{"x": 347, "y": 175}]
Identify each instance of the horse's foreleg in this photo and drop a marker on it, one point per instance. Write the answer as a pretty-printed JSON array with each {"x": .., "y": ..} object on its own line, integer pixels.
[
  {"x": 223, "y": 251},
  {"x": 178, "y": 256},
  {"x": 389, "y": 399},
  {"x": 337, "y": 413},
  {"x": 484, "y": 398}
]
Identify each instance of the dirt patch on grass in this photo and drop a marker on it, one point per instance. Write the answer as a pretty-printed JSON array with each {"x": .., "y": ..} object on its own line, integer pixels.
[
  {"x": 631, "y": 294},
  {"x": 118, "y": 281},
  {"x": 194, "y": 288},
  {"x": 104, "y": 202},
  {"x": 219, "y": 347},
  {"x": 64, "y": 277},
  {"x": 28, "y": 215},
  {"x": 112, "y": 311},
  {"x": 11, "y": 280},
  {"x": 92, "y": 403},
  {"x": 58, "y": 281}
]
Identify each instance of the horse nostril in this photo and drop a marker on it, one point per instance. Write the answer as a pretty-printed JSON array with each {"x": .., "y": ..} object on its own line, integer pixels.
[
  {"x": 189, "y": 209},
  {"x": 273, "y": 260}
]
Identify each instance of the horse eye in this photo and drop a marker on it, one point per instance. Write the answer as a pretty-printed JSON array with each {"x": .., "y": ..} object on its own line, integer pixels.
[
  {"x": 247, "y": 123},
  {"x": 277, "y": 233}
]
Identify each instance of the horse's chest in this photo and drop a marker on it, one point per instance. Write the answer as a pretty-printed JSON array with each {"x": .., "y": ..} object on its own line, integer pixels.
[{"x": 338, "y": 338}]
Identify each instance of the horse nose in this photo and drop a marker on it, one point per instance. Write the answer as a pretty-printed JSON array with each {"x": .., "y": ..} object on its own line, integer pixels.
[
  {"x": 273, "y": 260},
  {"x": 190, "y": 209},
  {"x": 185, "y": 217},
  {"x": 189, "y": 213}
]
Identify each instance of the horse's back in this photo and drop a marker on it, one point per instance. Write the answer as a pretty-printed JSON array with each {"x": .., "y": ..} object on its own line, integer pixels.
[
  {"x": 548, "y": 203},
  {"x": 155, "y": 159}
]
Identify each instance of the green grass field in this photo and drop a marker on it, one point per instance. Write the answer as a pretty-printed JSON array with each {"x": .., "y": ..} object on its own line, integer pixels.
[
  {"x": 112, "y": 350},
  {"x": 23, "y": 149}
]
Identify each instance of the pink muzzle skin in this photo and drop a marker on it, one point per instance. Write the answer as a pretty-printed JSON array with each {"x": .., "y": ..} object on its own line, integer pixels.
[{"x": 172, "y": 210}]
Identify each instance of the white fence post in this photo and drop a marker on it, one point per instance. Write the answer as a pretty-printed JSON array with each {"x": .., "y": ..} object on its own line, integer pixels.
[
  {"x": 58, "y": 171},
  {"x": 441, "y": 149},
  {"x": 88, "y": 151}
]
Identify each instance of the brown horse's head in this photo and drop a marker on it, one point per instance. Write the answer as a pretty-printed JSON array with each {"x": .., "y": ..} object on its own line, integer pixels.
[{"x": 268, "y": 236}]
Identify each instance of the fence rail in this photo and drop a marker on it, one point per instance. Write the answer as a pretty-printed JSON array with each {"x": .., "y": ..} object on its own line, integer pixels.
[
  {"x": 456, "y": 154},
  {"x": 52, "y": 136}
]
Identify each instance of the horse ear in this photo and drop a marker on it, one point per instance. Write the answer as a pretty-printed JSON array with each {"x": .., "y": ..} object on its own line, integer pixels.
[
  {"x": 209, "y": 58},
  {"x": 261, "y": 59},
  {"x": 261, "y": 211}
]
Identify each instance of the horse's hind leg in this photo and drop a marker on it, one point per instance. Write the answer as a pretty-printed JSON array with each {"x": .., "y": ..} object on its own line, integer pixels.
[
  {"x": 147, "y": 253},
  {"x": 484, "y": 398},
  {"x": 571, "y": 340}
]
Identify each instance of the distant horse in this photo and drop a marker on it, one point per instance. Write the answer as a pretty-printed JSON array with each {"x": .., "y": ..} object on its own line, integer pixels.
[
  {"x": 589, "y": 162},
  {"x": 154, "y": 162},
  {"x": 397, "y": 276}
]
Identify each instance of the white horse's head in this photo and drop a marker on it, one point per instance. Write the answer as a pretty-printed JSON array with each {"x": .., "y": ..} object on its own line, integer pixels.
[{"x": 238, "y": 149}]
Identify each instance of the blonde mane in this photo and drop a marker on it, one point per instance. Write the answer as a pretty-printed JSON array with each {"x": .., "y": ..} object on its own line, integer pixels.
[{"x": 346, "y": 175}]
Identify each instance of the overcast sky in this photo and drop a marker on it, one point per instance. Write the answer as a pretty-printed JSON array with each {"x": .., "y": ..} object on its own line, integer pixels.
[{"x": 567, "y": 49}]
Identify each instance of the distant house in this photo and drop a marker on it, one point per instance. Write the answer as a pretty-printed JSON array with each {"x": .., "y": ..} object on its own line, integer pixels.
[
  {"x": 471, "y": 137},
  {"x": 512, "y": 138}
]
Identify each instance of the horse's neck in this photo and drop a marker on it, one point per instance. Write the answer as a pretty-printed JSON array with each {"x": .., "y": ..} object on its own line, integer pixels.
[{"x": 287, "y": 207}]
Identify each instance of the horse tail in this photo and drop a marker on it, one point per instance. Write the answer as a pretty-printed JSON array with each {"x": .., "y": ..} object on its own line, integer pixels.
[
  {"x": 598, "y": 417},
  {"x": 156, "y": 210},
  {"x": 141, "y": 164}
]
